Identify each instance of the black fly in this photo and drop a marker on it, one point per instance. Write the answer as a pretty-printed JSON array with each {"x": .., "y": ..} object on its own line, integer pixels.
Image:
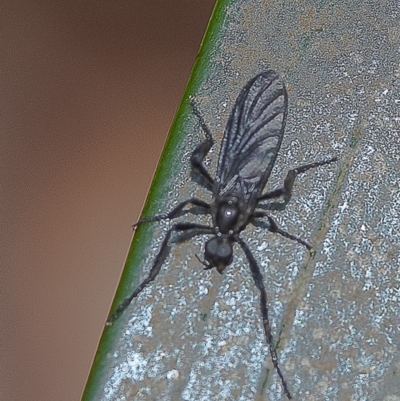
[{"x": 249, "y": 148}]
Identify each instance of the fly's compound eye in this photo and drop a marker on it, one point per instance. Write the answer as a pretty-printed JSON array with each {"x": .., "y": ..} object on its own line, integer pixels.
[
  {"x": 218, "y": 253},
  {"x": 227, "y": 216}
]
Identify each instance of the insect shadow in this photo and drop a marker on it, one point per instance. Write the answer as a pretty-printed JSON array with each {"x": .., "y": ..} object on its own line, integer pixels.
[{"x": 250, "y": 145}]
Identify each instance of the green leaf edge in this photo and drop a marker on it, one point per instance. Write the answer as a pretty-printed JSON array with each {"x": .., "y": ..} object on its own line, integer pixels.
[{"x": 165, "y": 169}]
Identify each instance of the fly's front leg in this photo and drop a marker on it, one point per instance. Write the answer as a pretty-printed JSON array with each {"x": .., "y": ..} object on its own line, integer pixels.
[
  {"x": 287, "y": 189},
  {"x": 192, "y": 229},
  {"x": 258, "y": 280},
  {"x": 202, "y": 150}
]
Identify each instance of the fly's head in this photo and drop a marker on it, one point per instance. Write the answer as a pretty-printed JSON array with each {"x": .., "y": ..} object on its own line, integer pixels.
[{"x": 218, "y": 253}]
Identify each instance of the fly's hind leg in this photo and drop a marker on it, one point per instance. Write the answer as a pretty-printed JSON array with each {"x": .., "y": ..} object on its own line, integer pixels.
[
  {"x": 196, "y": 160},
  {"x": 287, "y": 189},
  {"x": 202, "y": 150}
]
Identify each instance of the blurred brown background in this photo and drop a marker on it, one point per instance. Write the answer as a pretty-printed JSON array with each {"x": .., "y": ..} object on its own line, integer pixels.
[{"x": 88, "y": 92}]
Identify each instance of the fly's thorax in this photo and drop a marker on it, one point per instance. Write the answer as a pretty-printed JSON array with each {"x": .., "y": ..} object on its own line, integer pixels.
[{"x": 227, "y": 214}]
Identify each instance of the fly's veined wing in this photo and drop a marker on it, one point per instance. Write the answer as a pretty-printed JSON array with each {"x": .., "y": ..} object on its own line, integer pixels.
[{"x": 253, "y": 135}]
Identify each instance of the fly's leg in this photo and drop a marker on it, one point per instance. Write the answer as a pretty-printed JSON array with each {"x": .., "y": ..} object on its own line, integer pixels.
[
  {"x": 197, "y": 229},
  {"x": 258, "y": 280},
  {"x": 196, "y": 160},
  {"x": 287, "y": 189},
  {"x": 201, "y": 150},
  {"x": 274, "y": 228},
  {"x": 177, "y": 211}
]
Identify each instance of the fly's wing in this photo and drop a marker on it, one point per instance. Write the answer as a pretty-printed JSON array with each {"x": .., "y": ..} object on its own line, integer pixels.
[{"x": 253, "y": 136}]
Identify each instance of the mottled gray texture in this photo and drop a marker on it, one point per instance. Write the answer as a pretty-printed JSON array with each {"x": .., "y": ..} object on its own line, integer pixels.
[{"x": 195, "y": 335}]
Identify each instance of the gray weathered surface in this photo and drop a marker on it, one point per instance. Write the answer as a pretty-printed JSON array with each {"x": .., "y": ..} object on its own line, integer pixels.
[{"x": 195, "y": 335}]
